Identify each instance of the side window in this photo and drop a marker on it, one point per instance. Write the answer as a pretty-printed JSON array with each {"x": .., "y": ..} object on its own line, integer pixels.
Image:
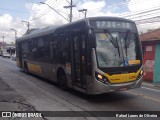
[
  {"x": 24, "y": 49},
  {"x": 25, "y": 46},
  {"x": 62, "y": 50},
  {"x": 40, "y": 45},
  {"x": 65, "y": 48},
  {"x": 30, "y": 55},
  {"x": 76, "y": 49},
  {"x": 34, "y": 47},
  {"x": 40, "y": 42},
  {"x": 46, "y": 49},
  {"x": 30, "y": 45},
  {"x": 51, "y": 48},
  {"x": 83, "y": 38},
  {"x": 41, "y": 48},
  {"x": 55, "y": 49}
]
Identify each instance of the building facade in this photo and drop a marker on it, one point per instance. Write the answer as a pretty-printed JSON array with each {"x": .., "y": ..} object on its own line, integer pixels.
[{"x": 151, "y": 55}]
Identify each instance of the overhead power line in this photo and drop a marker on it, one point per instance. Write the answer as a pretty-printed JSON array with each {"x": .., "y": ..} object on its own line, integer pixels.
[
  {"x": 46, "y": 11},
  {"x": 54, "y": 10},
  {"x": 146, "y": 15},
  {"x": 148, "y": 20},
  {"x": 143, "y": 12}
]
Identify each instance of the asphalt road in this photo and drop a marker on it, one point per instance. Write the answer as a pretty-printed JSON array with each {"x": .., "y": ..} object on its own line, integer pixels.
[{"x": 47, "y": 96}]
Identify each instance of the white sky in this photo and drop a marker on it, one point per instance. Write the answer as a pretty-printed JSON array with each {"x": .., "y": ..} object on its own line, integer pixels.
[{"x": 40, "y": 15}]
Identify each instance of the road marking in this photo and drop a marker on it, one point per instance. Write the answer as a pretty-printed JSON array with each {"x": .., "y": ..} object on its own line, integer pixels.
[
  {"x": 144, "y": 96},
  {"x": 151, "y": 89}
]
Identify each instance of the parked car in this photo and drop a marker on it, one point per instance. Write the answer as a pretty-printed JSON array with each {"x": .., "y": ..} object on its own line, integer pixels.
[
  {"x": 14, "y": 57},
  {"x": 6, "y": 55}
]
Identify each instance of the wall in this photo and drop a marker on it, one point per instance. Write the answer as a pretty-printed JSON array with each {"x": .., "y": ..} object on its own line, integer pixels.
[
  {"x": 156, "y": 78},
  {"x": 148, "y": 60}
]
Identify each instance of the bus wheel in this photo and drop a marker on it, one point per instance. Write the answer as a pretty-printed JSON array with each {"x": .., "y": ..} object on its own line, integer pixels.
[
  {"x": 25, "y": 68},
  {"x": 62, "y": 80}
]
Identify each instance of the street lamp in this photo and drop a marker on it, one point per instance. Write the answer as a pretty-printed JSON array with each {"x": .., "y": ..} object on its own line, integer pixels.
[
  {"x": 83, "y": 10},
  {"x": 54, "y": 10},
  {"x": 15, "y": 32}
]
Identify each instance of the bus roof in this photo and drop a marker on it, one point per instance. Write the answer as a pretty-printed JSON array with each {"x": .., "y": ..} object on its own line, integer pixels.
[
  {"x": 57, "y": 28},
  {"x": 38, "y": 32}
]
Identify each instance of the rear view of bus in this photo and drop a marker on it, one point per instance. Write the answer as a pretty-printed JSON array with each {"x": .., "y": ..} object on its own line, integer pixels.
[{"x": 116, "y": 55}]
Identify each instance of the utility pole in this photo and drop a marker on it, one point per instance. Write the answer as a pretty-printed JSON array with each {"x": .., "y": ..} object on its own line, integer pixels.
[
  {"x": 70, "y": 6},
  {"x": 28, "y": 24},
  {"x": 83, "y": 10},
  {"x": 15, "y": 32}
]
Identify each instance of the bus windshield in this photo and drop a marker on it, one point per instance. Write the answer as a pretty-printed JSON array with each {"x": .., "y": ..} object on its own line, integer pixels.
[{"x": 117, "y": 49}]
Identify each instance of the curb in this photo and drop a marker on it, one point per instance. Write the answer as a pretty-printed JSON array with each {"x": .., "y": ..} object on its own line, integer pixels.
[
  {"x": 158, "y": 85},
  {"x": 151, "y": 84},
  {"x": 148, "y": 84}
]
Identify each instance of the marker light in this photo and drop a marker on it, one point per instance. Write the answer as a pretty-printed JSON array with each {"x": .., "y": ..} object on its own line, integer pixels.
[{"x": 141, "y": 72}]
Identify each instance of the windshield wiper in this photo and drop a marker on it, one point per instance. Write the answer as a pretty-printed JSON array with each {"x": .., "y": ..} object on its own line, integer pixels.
[
  {"x": 126, "y": 41},
  {"x": 113, "y": 40}
]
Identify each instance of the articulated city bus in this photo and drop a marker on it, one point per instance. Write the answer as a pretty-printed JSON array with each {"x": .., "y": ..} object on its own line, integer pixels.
[{"x": 94, "y": 55}]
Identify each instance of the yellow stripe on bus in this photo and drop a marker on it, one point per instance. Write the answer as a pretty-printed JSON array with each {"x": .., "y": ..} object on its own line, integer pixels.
[
  {"x": 34, "y": 68},
  {"x": 121, "y": 78}
]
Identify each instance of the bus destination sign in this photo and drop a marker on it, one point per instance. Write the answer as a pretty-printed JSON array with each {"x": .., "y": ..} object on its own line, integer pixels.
[{"x": 113, "y": 25}]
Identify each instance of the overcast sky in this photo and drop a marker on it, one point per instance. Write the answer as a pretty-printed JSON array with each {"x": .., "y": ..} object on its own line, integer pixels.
[{"x": 12, "y": 12}]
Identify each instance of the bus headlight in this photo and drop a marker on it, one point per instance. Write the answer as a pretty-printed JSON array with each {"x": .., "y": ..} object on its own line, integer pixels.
[{"x": 101, "y": 78}]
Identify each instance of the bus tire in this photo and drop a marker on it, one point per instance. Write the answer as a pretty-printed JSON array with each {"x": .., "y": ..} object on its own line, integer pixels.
[
  {"x": 26, "y": 68},
  {"x": 62, "y": 80}
]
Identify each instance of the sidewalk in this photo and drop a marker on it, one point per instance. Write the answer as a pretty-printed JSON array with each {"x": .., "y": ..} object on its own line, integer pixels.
[
  {"x": 11, "y": 101},
  {"x": 151, "y": 84}
]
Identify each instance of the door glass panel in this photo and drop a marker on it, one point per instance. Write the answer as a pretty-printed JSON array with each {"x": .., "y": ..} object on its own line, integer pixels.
[
  {"x": 83, "y": 59},
  {"x": 79, "y": 47},
  {"x": 77, "y": 58}
]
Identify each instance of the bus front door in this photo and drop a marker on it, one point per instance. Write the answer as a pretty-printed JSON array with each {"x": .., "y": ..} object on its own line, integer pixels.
[{"x": 79, "y": 59}]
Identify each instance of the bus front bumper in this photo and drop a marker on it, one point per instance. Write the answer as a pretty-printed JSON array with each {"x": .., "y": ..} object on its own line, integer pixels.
[{"x": 99, "y": 88}]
